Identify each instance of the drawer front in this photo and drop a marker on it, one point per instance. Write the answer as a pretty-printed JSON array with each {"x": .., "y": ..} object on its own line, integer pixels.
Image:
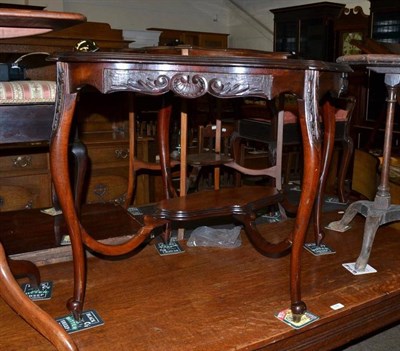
[
  {"x": 17, "y": 193},
  {"x": 24, "y": 163},
  {"x": 118, "y": 154},
  {"x": 107, "y": 188}
]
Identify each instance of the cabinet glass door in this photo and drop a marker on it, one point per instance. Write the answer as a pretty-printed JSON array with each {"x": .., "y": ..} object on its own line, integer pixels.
[
  {"x": 313, "y": 39},
  {"x": 386, "y": 28},
  {"x": 286, "y": 36}
]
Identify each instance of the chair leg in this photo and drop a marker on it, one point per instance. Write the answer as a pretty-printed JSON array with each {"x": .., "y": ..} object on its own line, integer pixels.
[
  {"x": 13, "y": 295},
  {"x": 23, "y": 268}
]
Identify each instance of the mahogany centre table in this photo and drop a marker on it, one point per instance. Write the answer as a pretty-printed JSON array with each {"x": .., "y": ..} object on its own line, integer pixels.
[{"x": 192, "y": 77}]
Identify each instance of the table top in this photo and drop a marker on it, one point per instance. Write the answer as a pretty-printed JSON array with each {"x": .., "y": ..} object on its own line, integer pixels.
[
  {"x": 370, "y": 59},
  {"x": 22, "y": 22},
  {"x": 380, "y": 63},
  {"x": 225, "y": 60},
  {"x": 225, "y": 76},
  {"x": 192, "y": 50}
]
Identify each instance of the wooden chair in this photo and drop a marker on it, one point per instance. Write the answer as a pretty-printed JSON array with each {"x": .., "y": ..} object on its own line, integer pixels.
[
  {"x": 213, "y": 150},
  {"x": 261, "y": 131},
  {"x": 136, "y": 164},
  {"x": 343, "y": 118},
  {"x": 26, "y": 117},
  {"x": 26, "y": 111}
]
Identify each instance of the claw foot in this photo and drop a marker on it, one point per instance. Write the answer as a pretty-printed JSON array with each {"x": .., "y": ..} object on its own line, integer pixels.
[{"x": 338, "y": 226}]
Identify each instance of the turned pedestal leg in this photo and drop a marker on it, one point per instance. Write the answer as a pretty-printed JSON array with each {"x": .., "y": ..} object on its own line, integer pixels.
[{"x": 348, "y": 149}]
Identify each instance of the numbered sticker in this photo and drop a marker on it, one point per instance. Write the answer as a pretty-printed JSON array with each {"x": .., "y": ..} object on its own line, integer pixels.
[{"x": 89, "y": 319}]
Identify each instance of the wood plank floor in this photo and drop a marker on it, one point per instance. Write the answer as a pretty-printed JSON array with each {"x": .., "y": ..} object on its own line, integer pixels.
[{"x": 209, "y": 299}]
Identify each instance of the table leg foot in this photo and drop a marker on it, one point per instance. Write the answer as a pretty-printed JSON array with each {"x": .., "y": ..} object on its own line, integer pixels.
[
  {"x": 298, "y": 309},
  {"x": 352, "y": 210},
  {"x": 75, "y": 307},
  {"x": 319, "y": 235},
  {"x": 166, "y": 233},
  {"x": 371, "y": 226}
]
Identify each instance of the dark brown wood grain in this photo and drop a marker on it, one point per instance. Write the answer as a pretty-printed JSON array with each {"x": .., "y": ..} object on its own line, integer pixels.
[
  {"x": 224, "y": 299},
  {"x": 21, "y": 22},
  {"x": 32, "y": 230}
]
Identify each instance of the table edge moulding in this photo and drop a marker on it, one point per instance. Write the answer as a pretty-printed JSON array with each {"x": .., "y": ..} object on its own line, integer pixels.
[{"x": 191, "y": 77}]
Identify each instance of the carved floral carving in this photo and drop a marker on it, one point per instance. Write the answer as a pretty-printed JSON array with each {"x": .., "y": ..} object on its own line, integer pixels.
[
  {"x": 187, "y": 84},
  {"x": 60, "y": 96},
  {"x": 311, "y": 86}
]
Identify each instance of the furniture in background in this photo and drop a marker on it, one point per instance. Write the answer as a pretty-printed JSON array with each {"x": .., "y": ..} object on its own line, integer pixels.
[
  {"x": 102, "y": 129},
  {"x": 307, "y": 30},
  {"x": 140, "y": 161},
  {"x": 365, "y": 174},
  {"x": 385, "y": 31},
  {"x": 260, "y": 131},
  {"x": 367, "y": 86},
  {"x": 259, "y": 123},
  {"x": 351, "y": 25},
  {"x": 106, "y": 38},
  {"x": 173, "y": 37},
  {"x": 26, "y": 116},
  {"x": 385, "y": 17},
  {"x": 344, "y": 118},
  {"x": 16, "y": 23},
  {"x": 262, "y": 124},
  {"x": 381, "y": 210},
  {"x": 213, "y": 151}
]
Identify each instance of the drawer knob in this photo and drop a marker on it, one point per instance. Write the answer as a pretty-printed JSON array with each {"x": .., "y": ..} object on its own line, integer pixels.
[
  {"x": 121, "y": 153},
  {"x": 120, "y": 200},
  {"x": 22, "y": 161},
  {"x": 100, "y": 190}
]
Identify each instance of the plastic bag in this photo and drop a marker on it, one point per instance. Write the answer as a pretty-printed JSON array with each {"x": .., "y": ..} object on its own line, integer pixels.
[{"x": 215, "y": 237}]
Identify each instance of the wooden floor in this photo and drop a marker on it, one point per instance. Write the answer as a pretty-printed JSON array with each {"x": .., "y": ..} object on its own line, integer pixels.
[{"x": 210, "y": 299}]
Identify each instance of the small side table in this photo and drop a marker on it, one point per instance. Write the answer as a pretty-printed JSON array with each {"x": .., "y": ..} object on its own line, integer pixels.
[{"x": 381, "y": 210}]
